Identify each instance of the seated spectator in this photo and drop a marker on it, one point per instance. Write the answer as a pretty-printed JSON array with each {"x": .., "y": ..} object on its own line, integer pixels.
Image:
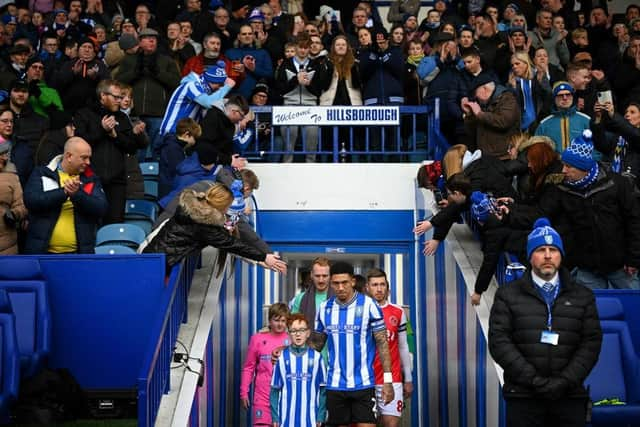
[
  {"x": 251, "y": 62},
  {"x": 66, "y": 203},
  {"x": 13, "y": 210},
  {"x": 565, "y": 122},
  {"x": 618, "y": 138},
  {"x": 493, "y": 118},
  {"x": 174, "y": 149},
  {"x": 199, "y": 222},
  {"x": 195, "y": 95}
]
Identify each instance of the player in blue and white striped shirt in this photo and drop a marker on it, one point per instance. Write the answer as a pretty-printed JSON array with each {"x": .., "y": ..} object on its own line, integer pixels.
[
  {"x": 195, "y": 95},
  {"x": 353, "y": 326},
  {"x": 298, "y": 383}
]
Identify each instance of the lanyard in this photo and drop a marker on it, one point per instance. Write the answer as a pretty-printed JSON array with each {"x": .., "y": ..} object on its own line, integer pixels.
[{"x": 556, "y": 291}]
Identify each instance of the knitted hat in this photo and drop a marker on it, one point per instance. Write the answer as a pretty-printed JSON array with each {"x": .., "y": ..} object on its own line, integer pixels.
[
  {"x": 513, "y": 30},
  {"x": 543, "y": 235},
  {"x": 5, "y": 145},
  {"x": 562, "y": 85},
  {"x": 34, "y": 60},
  {"x": 260, "y": 88},
  {"x": 256, "y": 15},
  {"x": 63, "y": 11},
  {"x": 579, "y": 153},
  {"x": 238, "y": 204},
  {"x": 406, "y": 17},
  {"x": 481, "y": 80},
  {"x": 481, "y": 206},
  {"x": 215, "y": 73},
  {"x": 127, "y": 41},
  {"x": 513, "y": 6}
]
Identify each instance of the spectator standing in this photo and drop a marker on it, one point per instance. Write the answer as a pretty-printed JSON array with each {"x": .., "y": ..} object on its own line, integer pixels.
[
  {"x": 11, "y": 203},
  {"x": 178, "y": 48},
  {"x": 43, "y": 99},
  {"x": 258, "y": 366},
  {"x": 627, "y": 74},
  {"x": 153, "y": 77},
  {"x": 210, "y": 55},
  {"x": 200, "y": 20},
  {"x": 493, "y": 118},
  {"x": 554, "y": 42},
  {"x": 529, "y": 318},
  {"x": 249, "y": 61},
  {"x": 400, "y": 8},
  {"x": 298, "y": 396},
  {"x": 298, "y": 81},
  {"x": 65, "y": 202},
  {"x": 124, "y": 44},
  {"x": 175, "y": 148},
  {"x": 565, "y": 122},
  {"x": 51, "y": 56},
  {"x": 186, "y": 31},
  {"x": 396, "y": 323},
  {"x": 545, "y": 71},
  {"x": 221, "y": 19},
  {"x": 111, "y": 135},
  {"x": 18, "y": 57},
  {"x": 493, "y": 46},
  {"x": 534, "y": 97},
  {"x": 77, "y": 79},
  {"x": 351, "y": 381}
]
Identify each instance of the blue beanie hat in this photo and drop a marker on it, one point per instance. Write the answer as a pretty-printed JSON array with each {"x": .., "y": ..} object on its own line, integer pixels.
[
  {"x": 481, "y": 206},
  {"x": 561, "y": 85},
  {"x": 543, "y": 235},
  {"x": 215, "y": 73},
  {"x": 579, "y": 153}
]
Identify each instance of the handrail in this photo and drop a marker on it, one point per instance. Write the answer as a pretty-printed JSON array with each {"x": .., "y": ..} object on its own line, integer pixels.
[{"x": 153, "y": 380}]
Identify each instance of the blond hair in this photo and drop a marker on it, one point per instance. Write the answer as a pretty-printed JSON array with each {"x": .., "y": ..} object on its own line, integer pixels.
[
  {"x": 219, "y": 197},
  {"x": 524, "y": 57}
]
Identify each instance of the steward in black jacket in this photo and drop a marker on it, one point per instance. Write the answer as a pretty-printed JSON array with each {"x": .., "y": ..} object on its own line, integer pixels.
[{"x": 518, "y": 317}]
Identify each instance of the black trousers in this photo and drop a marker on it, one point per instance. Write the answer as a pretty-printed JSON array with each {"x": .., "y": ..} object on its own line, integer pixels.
[
  {"x": 546, "y": 412},
  {"x": 116, "y": 194}
]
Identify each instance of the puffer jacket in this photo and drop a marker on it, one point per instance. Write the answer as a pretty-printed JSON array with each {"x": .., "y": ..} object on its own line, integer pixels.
[
  {"x": 10, "y": 200},
  {"x": 381, "y": 74},
  {"x": 195, "y": 225},
  {"x": 518, "y": 317}
]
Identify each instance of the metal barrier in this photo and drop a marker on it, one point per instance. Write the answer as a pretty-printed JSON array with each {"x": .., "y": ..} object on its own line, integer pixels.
[
  {"x": 417, "y": 138},
  {"x": 153, "y": 380}
]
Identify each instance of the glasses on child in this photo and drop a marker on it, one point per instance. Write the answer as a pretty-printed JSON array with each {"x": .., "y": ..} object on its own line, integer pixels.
[{"x": 298, "y": 331}]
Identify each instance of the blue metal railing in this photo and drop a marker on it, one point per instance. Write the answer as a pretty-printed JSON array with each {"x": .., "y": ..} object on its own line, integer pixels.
[
  {"x": 412, "y": 140},
  {"x": 153, "y": 381}
]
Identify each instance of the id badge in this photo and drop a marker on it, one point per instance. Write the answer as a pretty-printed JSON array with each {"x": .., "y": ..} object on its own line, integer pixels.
[{"x": 549, "y": 337}]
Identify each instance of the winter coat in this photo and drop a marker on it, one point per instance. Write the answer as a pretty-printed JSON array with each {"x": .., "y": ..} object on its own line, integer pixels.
[
  {"x": 10, "y": 200},
  {"x": 218, "y": 131},
  {"x": 381, "y": 74},
  {"x": 153, "y": 77},
  {"x": 499, "y": 120},
  {"x": 541, "y": 95},
  {"x": 495, "y": 54},
  {"x": 188, "y": 172},
  {"x": 263, "y": 70},
  {"x": 108, "y": 153},
  {"x": 562, "y": 126},
  {"x": 196, "y": 225},
  {"x": 626, "y": 82},
  {"x": 558, "y": 51},
  {"x": 331, "y": 82},
  {"x": 518, "y": 317},
  {"x": 292, "y": 91},
  {"x": 44, "y": 197},
  {"x": 78, "y": 90},
  {"x": 605, "y": 139},
  {"x": 442, "y": 81},
  {"x": 172, "y": 152}
]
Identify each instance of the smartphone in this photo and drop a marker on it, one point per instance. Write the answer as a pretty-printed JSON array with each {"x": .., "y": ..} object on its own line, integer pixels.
[{"x": 605, "y": 96}]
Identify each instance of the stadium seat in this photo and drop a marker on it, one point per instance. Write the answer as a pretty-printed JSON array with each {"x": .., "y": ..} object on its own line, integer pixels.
[
  {"x": 142, "y": 213},
  {"x": 120, "y": 234},
  {"x": 616, "y": 375},
  {"x": 150, "y": 170},
  {"x": 150, "y": 190},
  {"x": 114, "y": 250},
  {"x": 20, "y": 268},
  {"x": 10, "y": 365},
  {"x": 29, "y": 302}
]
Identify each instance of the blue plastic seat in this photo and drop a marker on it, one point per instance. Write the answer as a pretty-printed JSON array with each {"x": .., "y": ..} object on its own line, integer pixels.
[
  {"x": 141, "y": 209},
  {"x": 29, "y": 302},
  {"x": 150, "y": 170},
  {"x": 114, "y": 250},
  {"x": 616, "y": 375},
  {"x": 9, "y": 365},
  {"x": 150, "y": 190},
  {"x": 120, "y": 234}
]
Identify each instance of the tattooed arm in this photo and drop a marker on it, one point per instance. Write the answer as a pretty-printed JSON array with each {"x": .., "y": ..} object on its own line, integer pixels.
[{"x": 385, "y": 359}]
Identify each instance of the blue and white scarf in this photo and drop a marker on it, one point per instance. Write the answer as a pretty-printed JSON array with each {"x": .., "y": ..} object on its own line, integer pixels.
[
  {"x": 585, "y": 182},
  {"x": 618, "y": 155}
]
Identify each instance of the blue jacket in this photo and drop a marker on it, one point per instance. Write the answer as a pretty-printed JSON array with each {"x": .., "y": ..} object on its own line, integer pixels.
[
  {"x": 188, "y": 172},
  {"x": 264, "y": 67},
  {"x": 89, "y": 206},
  {"x": 172, "y": 152},
  {"x": 563, "y": 126},
  {"x": 443, "y": 80},
  {"x": 382, "y": 77}
]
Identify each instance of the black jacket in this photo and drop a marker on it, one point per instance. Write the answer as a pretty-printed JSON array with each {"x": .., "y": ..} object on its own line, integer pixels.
[
  {"x": 108, "y": 156},
  {"x": 195, "y": 226},
  {"x": 600, "y": 227},
  {"x": 218, "y": 131},
  {"x": 518, "y": 317},
  {"x": 605, "y": 140}
]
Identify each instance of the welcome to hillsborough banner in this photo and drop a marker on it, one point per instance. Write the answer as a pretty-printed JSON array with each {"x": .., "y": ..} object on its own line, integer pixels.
[{"x": 336, "y": 116}]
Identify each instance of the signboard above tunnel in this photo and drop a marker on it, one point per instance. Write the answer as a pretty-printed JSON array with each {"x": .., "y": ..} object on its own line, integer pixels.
[{"x": 336, "y": 115}]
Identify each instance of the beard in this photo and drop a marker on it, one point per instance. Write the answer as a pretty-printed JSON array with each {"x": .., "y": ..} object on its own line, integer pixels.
[{"x": 211, "y": 54}]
